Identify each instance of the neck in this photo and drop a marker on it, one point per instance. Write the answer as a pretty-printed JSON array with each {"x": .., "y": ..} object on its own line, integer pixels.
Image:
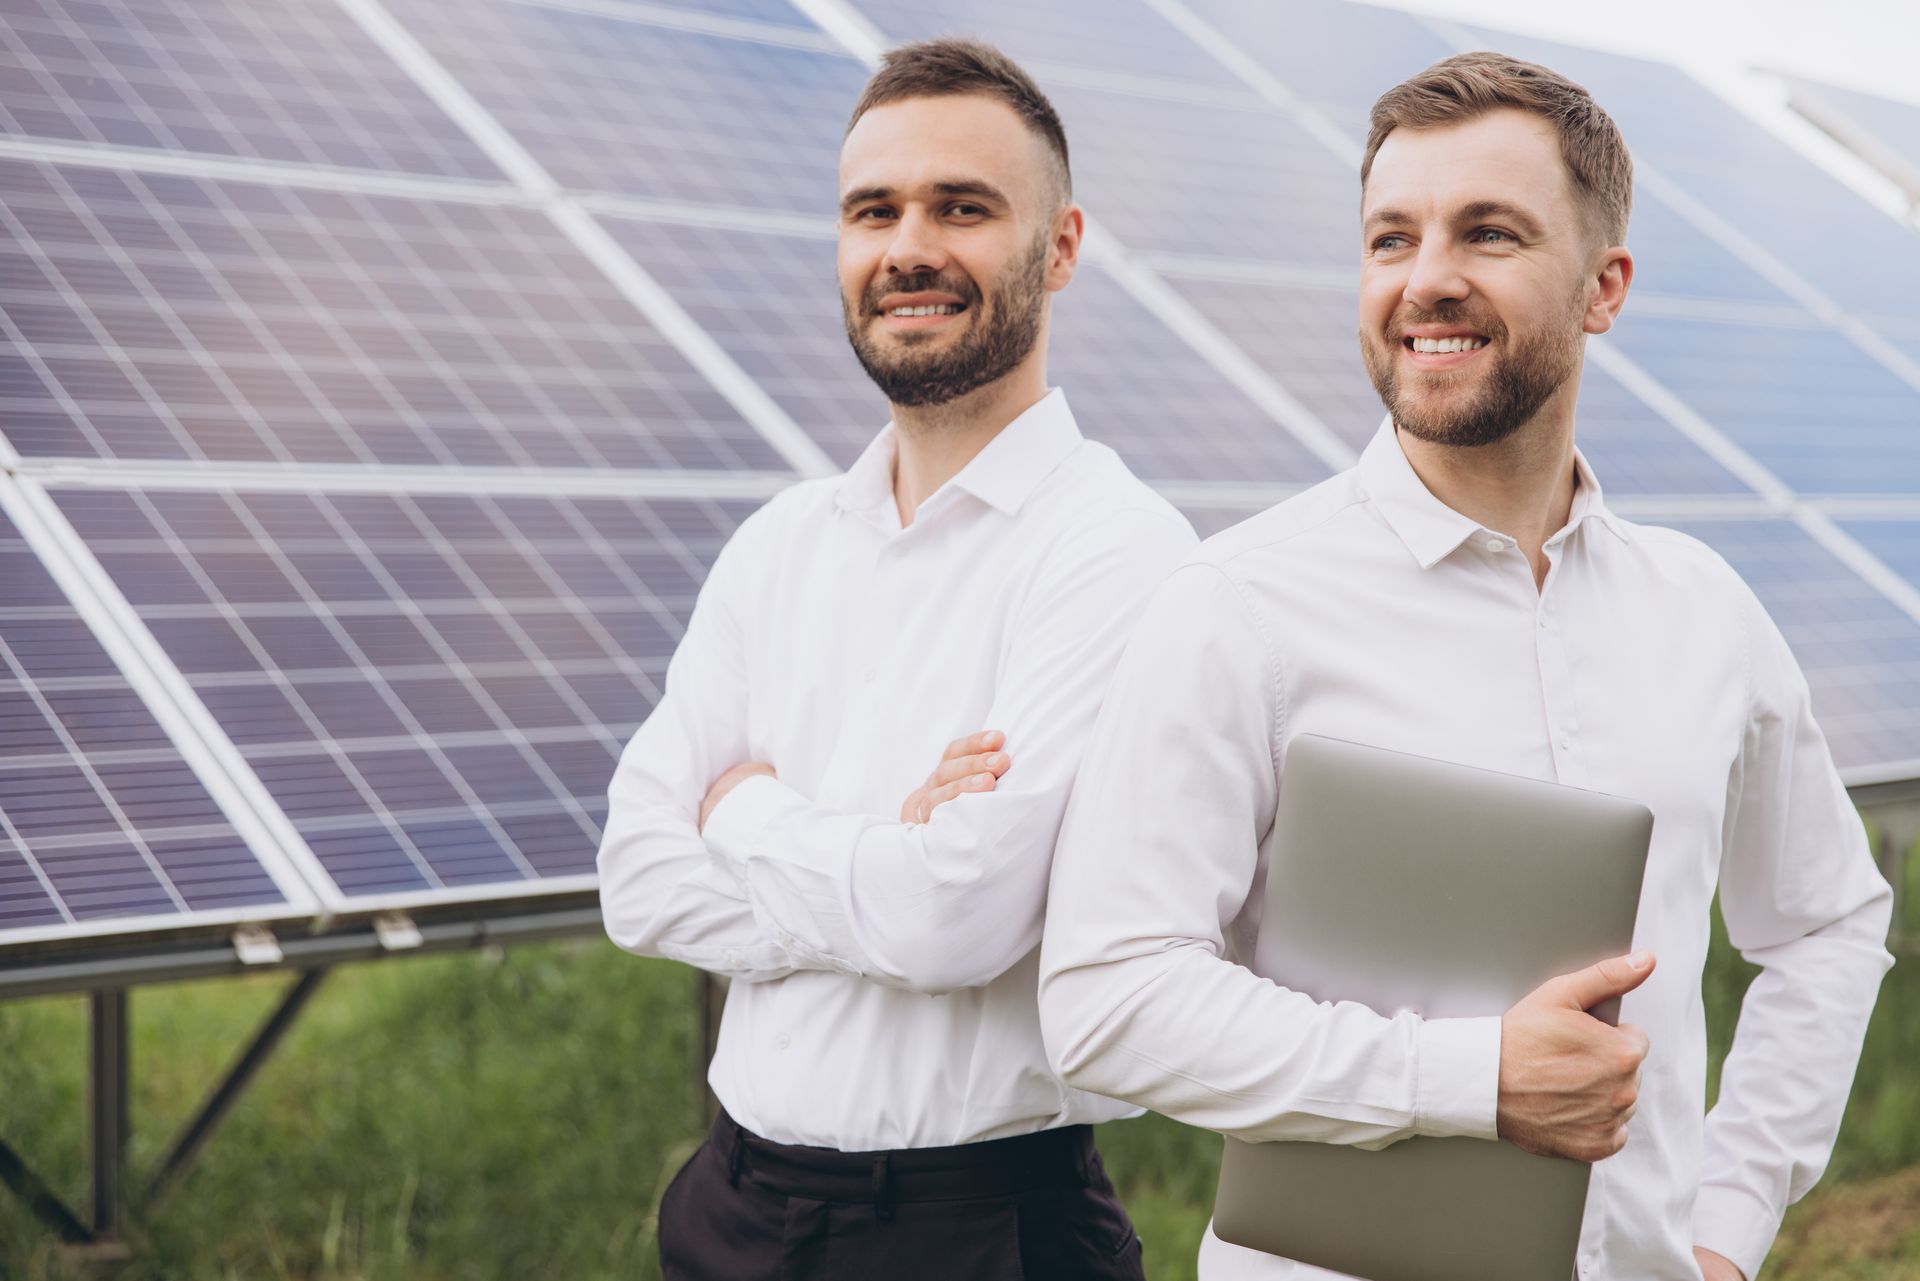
[
  {"x": 936, "y": 441},
  {"x": 1521, "y": 487}
]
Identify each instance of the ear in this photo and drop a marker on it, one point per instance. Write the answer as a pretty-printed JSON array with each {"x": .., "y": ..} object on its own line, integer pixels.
[
  {"x": 1069, "y": 228},
  {"x": 1607, "y": 288}
]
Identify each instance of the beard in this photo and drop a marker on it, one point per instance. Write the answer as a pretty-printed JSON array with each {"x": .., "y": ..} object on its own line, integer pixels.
[
  {"x": 1524, "y": 373},
  {"x": 992, "y": 347}
]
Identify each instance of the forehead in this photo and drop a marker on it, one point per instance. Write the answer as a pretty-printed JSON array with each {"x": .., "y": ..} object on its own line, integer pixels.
[
  {"x": 1507, "y": 155},
  {"x": 914, "y": 142}
]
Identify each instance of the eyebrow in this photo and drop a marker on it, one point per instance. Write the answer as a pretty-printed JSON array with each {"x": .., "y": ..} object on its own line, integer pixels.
[
  {"x": 951, "y": 187},
  {"x": 1477, "y": 211},
  {"x": 1501, "y": 211}
]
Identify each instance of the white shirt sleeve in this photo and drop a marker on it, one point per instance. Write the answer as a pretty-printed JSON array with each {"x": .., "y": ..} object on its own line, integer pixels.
[
  {"x": 1804, "y": 901},
  {"x": 1138, "y": 997},
  {"x": 662, "y": 893},
  {"x": 957, "y": 901}
]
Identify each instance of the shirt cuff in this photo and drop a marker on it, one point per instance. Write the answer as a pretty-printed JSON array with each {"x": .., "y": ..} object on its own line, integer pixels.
[
  {"x": 1458, "y": 1080},
  {"x": 737, "y": 824},
  {"x": 1735, "y": 1223}
]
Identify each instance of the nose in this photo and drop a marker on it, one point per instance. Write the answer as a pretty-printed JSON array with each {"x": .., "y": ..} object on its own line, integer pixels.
[
  {"x": 1436, "y": 277},
  {"x": 917, "y": 246}
]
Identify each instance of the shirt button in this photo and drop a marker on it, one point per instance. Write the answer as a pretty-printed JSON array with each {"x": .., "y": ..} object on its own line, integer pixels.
[
  {"x": 735, "y": 961},
  {"x": 867, "y": 676},
  {"x": 1566, "y": 742},
  {"x": 782, "y": 1041},
  {"x": 1496, "y": 544}
]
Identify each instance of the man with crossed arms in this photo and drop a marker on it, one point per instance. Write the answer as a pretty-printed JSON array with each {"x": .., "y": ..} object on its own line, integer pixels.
[
  {"x": 889, "y": 1110},
  {"x": 1464, "y": 593}
]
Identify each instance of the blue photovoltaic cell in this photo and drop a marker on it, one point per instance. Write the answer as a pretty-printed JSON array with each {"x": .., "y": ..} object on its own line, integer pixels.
[
  {"x": 1210, "y": 518},
  {"x": 1896, "y": 542},
  {"x": 1336, "y": 57},
  {"x": 434, "y": 688},
  {"x": 1106, "y": 35},
  {"x": 773, "y": 303},
  {"x": 1673, "y": 258},
  {"x": 1861, "y": 654},
  {"x": 178, "y": 318},
  {"x": 1806, "y": 403},
  {"x": 1853, "y": 252},
  {"x": 99, "y": 815},
  {"x": 1305, "y": 339},
  {"x": 777, "y": 13},
  {"x": 1231, "y": 178},
  {"x": 1170, "y": 414},
  {"x": 293, "y": 81},
  {"x": 608, "y": 104}
]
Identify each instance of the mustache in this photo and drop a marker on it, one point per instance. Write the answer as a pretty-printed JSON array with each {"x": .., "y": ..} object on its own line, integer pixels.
[
  {"x": 874, "y": 300},
  {"x": 1465, "y": 317}
]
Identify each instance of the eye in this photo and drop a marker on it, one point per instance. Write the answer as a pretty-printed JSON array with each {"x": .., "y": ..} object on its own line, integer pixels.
[
  {"x": 967, "y": 209},
  {"x": 1489, "y": 236},
  {"x": 1387, "y": 244},
  {"x": 873, "y": 213}
]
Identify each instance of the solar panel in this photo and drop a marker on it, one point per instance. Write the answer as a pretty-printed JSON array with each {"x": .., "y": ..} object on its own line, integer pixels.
[
  {"x": 1335, "y": 57},
  {"x": 1861, "y": 654},
  {"x": 296, "y": 81},
  {"x": 104, "y": 826},
  {"x": 1124, "y": 36},
  {"x": 1806, "y": 403},
  {"x": 772, "y": 301},
  {"x": 433, "y": 688},
  {"x": 148, "y": 316},
  {"x": 1231, "y": 177},
  {"x": 777, "y": 13},
  {"x": 614, "y": 105}
]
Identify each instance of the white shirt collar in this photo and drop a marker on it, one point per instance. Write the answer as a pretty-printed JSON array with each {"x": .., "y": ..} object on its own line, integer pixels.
[
  {"x": 1430, "y": 529},
  {"x": 1002, "y": 475}
]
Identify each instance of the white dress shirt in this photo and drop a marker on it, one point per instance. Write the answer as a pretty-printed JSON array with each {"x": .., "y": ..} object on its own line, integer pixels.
[
  {"x": 1366, "y": 609},
  {"x": 885, "y": 971}
]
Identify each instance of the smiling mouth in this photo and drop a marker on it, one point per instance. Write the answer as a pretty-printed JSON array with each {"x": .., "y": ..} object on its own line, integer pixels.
[
  {"x": 933, "y": 309},
  {"x": 1443, "y": 346}
]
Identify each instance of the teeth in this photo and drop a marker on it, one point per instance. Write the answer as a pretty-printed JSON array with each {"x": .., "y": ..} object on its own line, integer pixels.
[
  {"x": 1439, "y": 346},
  {"x": 939, "y": 309}
]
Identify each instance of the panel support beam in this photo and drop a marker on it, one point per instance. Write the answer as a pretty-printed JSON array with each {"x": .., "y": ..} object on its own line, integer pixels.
[{"x": 214, "y": 1110}]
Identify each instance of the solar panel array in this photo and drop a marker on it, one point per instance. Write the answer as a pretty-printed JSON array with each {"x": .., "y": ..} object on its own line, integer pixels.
[{"x": 378, "y": 378}]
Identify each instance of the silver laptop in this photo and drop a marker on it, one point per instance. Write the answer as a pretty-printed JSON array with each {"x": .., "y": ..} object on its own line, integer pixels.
[{"x": 1409, "y": 884}]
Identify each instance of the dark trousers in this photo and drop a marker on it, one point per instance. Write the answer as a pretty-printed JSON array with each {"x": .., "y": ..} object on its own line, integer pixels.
[{"x": 1038, "y": 1207}]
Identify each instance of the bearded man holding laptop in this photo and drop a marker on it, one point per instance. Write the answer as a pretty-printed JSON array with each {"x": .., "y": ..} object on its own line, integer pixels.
[{"x": 1464, "y": 594}]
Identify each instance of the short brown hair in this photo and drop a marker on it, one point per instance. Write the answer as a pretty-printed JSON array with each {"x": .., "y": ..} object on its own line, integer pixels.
[
  {"x": 941, "y": 68},
  {"x": 1469, "y": 85}
]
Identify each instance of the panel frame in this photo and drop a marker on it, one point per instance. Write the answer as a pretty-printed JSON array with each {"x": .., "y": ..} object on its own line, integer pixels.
[{"x": 47, "y": 532}]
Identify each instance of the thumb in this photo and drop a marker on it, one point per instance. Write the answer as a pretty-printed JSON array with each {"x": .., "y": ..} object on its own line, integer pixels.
[{"x": 1616, "y": 976}]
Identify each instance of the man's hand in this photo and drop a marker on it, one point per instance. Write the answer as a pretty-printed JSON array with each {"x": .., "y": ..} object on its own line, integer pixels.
[
  {"x": 1716, "y": 1267},
  {"x": 1568, "y": 1082},
  {"x": 727, "y": 782},
  {"x": 970, "y": 764}
]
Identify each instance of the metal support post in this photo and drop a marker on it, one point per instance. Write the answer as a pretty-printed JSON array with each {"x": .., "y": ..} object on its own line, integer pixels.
[{"x": 109, "y": 1121}]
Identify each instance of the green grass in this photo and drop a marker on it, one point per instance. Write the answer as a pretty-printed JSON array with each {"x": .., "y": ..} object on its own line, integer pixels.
[{"x": 459, "y": 1118}]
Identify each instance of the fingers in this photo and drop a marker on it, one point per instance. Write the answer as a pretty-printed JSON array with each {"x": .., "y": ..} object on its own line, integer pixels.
[
  {"x": 932, "y": 798},
  {"x": 955, "y": 768},
  {"x": 987, "y": 740},
  {"x": 1616, "y": 976}
]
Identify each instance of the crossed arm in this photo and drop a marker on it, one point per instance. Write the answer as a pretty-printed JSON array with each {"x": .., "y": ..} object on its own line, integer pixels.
[{"x": 712, "y": 859}]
